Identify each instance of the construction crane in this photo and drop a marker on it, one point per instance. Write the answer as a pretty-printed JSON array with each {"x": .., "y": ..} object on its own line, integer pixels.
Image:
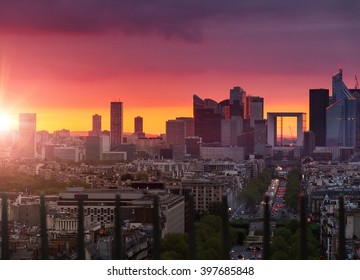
[
  {"x": 356, "y": 83},
  {"x": 291, "y": 135},
  {"x": 290, "y": 132}
]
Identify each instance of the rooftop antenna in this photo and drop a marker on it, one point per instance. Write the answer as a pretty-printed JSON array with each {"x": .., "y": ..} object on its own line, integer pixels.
[{"x": 356, "y": 83}]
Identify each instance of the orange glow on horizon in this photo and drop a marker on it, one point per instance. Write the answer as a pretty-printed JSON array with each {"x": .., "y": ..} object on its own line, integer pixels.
[
  {"x": 81, "y": 119},
  {"x": 154, "y": 117}
]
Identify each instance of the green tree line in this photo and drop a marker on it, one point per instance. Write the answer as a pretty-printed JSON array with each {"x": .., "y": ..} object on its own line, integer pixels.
[
  {"x": 175, "y": 246},
  {"x": 13, "y": 181},
  {"x": 254, "y": 191},
  {"x": 292, "y": 192},
  {"x": 285, "y": 244}
]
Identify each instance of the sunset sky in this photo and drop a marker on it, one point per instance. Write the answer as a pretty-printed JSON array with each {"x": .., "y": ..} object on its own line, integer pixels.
[{"x": 67, "y": 60}]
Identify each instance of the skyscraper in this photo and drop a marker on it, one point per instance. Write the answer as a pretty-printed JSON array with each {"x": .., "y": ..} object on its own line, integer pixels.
[
  {"x": 260, "y": 137},
  {"x": 93, "y": 148},
  {"x": 116, "y": 124},
  {"x": 96, "y": 125},
  {"x": 27, "y": 135},
  {"x": 356, "y": 93},
  {"x": 138, "y": 125},
  {"x": 341, "y": 115},
  {"x": 254, "y": 109},
  {"x": 175, "y": 132},
  {"x": 189, "y": 125},
  {"x": 237, "y": 102},
  {"x": 309, "y": 142},
  {"x": 318, "y": 101},
  {"x": 207, "y": 120},
  {"x": 208, "y": 126}
]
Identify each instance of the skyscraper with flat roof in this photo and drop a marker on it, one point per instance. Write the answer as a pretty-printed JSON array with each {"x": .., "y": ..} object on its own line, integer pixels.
[
  {"x": 237, "y": 102},
  {"x": 96, "y": 125},
  {"x": 254, "y": 109},
  {"x": 138, "y": 125},
  {"x": 175, "y": 132},
  {"x": 318, "y": 101},
  {"x": 116, "y": 124},
  {"x": 27, "y": 135},
  {"x": 93, "y": 148}
]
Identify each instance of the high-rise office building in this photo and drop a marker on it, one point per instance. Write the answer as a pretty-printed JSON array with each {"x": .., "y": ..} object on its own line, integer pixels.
[
  {"x": 260, "y": 137},
  {"x": 237, "y": 102},
  {"x": 356, "y": 93},
  {"x": 138, "y": 125},
  {"x": 341, "y": 116},
  {"x": 207, "y": 120},
  {"x": 27, "y": 135},
  {"x": 254, "y": 109},
  {"x": 96, "y": 125},
  {"x": 93, "y": 148},
  {"x": 193, "y": 146},
  {"x": 339, "y": 89},
  {"x": 175, "y": 132},
  {"x": 116, "y": 124},
  {"x": 318, "y": 101},
  {"x": 189, "y": 125},
  {"x": 208, "y": 126},
  {"x": 231, "y": 129},
  {"x": 309, "y": 142}
]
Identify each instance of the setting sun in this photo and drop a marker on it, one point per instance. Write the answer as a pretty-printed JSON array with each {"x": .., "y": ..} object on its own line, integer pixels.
[{"x": 5, "y": 122}]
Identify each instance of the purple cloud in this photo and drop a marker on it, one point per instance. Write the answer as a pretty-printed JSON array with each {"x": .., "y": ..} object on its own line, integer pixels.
[{"x": 184, "y": 19}]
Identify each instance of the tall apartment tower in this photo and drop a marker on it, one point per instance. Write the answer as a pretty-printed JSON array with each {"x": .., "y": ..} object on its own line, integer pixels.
[
  {"x": 138, "y": 125},
  {"x": 96, "y": 125},
  {"x": 116, "y": 124},
  {"x": 27, "y": 135},
  {"x": 319, "y": 101}
]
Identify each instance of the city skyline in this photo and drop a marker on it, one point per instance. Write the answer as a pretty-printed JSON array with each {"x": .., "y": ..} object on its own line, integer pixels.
[{"x": 155, "y": 56}]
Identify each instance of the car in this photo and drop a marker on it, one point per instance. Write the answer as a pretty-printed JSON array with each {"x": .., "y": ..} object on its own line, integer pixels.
[{"x": 241, "y": 257}]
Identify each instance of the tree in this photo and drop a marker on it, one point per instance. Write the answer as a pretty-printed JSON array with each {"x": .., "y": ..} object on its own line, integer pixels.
[
  {"x": 175, "y": 246},
  {"x": 286, "y": 243},
  {"x": 127, "y": 176},
  {"x": 142, "y": 176},
  {"x": 254, "y": 191}
]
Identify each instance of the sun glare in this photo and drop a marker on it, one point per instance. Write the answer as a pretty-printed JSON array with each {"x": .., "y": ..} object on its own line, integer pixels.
[{"x": 5, "y": 122}]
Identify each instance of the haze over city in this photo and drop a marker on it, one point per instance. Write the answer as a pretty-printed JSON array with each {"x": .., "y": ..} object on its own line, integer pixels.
[{"x": 67, "y": 61}]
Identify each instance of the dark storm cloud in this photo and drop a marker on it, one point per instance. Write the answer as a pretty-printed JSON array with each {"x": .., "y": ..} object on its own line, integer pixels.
[{"x": 185, "y": 19}]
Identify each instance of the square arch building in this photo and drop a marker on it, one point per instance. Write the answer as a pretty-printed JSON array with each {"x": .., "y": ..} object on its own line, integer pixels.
[{"x": 272, "y": 127}]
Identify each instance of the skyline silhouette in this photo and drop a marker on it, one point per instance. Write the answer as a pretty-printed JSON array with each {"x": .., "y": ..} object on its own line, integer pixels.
[{"x": 67, "y": 61}]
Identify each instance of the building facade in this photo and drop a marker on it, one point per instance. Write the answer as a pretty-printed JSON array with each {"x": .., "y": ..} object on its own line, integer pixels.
[
  {"x": 116, "y": 124},
  {"x": 138, "y": 125},
  {"x": 96, "y": 125},
  {"x": 318, "y": 101},
  {"x": 341, "y": 115},
  {"x": 27, "y": 135}
]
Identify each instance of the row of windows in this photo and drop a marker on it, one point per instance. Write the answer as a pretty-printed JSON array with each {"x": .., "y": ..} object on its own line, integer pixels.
[{"x": 88, "y": 211}]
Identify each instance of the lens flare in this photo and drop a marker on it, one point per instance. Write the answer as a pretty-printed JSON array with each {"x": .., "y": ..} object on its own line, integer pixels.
[{"x": 5, "y": 122}]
